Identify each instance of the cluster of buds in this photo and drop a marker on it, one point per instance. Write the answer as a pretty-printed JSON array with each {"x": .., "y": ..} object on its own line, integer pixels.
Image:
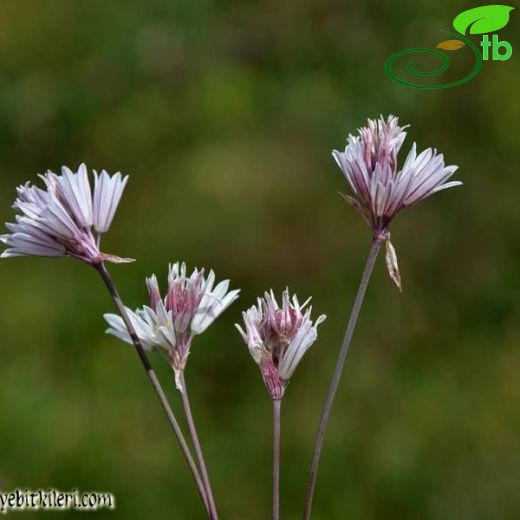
[{"x": 278, "y": 337}]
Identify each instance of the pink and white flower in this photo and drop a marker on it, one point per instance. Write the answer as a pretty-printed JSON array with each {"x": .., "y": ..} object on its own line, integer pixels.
[
  {"x": 169, "y": 324},
  {"x": 65, "y": 218},
  {"x": 278, "y": 337},
  {"x": 380, "y": 189}
]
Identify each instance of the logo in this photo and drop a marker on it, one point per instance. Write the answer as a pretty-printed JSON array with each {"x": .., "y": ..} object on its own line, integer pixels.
[{"x": 478, "y": 21}]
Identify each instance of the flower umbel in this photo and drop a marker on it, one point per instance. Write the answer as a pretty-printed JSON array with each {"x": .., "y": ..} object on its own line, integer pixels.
[
  {"x": 65, "y": 218},
  {"x": 380, "y": 190},
  {"x": 278, "y": 337},
  {"x": 169, "y": 324}
]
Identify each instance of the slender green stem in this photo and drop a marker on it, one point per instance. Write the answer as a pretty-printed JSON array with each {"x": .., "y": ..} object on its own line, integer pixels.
[
  {"x": 333, "y": 388},
  {"x": 153, "y": 380},
  {"x": 198, "y": 449},
  {"x": 277, "y": 405}
]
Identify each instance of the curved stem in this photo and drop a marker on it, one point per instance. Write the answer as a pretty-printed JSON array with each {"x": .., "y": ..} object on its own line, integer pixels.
[
  {"x": 277, "y": 404},
  {"x": 153, "y": 380},
  {"x": 340, "y": 363},
  {"x": 197, "y": 446}
]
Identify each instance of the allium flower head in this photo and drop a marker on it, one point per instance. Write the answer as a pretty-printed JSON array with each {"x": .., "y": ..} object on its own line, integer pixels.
[
  {"x": 278, "y": 337},
  {"x": 65, "y": 218},
  {"x": 380, "y": 189},
  {"x": 169, "y": 323}
]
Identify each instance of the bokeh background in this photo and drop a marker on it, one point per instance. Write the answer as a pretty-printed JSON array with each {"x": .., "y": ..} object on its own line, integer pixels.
[{"x": 224, "y": 114}]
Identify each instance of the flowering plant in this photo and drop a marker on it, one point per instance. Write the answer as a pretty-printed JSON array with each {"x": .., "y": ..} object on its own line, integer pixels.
[{"x": 66, "y": 217}]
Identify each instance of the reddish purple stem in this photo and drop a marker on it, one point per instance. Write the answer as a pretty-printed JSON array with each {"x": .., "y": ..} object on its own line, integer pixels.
[{"x": 198, "y": 448}]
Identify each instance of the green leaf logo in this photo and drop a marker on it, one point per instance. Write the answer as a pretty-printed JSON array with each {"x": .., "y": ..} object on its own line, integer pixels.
[{"x": 482, "y": 20}]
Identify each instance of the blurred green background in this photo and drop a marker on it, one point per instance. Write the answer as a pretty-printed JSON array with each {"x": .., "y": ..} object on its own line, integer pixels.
[{"x": 224, "y": 115}]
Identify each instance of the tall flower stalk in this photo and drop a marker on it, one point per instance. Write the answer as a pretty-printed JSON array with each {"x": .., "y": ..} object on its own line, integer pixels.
[
  {"x": 170, "y": 323},
  {"x": 379, "y": 192},
  {"x": 277, "y": 338},
  {"x": 277, "y": 410},
  {"x": 67, "y": 219},
  {"x": 336, "y": 377},
  {"x": 150, "y": 372}
]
